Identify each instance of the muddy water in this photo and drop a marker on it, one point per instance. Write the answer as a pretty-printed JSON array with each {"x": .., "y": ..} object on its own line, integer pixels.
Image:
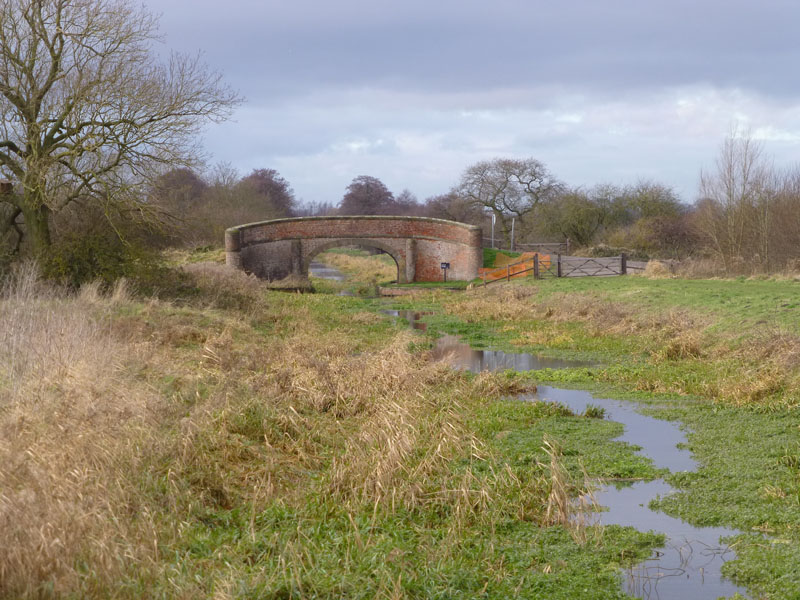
[{"x": 688, "y": 566}]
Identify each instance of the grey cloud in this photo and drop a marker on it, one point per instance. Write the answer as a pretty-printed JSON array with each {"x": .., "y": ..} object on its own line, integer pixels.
[
  {"x": 414, "y": 91},
  {"x": 281, "y": 49}
]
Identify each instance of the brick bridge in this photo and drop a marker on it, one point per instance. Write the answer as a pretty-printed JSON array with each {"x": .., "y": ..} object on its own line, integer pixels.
[{"x": 276, "y": 249}]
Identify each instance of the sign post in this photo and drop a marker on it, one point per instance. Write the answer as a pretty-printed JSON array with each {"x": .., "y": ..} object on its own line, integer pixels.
[{"x": 445, "y": 266}]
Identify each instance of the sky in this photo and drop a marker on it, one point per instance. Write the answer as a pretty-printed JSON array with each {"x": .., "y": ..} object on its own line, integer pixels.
[{"x": 413, "y": 92}]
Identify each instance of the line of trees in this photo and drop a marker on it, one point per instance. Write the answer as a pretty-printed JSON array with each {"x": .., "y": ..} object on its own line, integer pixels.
[
  {"x": 747, "y": 216},
  {"x": 98, "y": 139}
]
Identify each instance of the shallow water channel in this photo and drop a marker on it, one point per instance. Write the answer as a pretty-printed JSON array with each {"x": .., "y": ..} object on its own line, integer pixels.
[
  {"x": 688, "y": 566},
  {"x": 323, "y": 271}
]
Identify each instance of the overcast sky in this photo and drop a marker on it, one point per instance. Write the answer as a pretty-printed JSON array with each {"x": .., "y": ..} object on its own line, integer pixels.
[{"x": 412, "y": 91}]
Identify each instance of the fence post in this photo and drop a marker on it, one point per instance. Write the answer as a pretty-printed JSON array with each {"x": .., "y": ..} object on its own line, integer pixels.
[
  {"x": 623, "y": 264},
  {"x": 536, "y": 266},
  {"x": 508, "y": 272},
  {"x": 558, "y": 265},
  {"x": 567, "y": 252}
]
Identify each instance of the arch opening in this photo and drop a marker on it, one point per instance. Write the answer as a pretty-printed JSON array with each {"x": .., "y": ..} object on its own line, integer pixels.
[{"x": 399, "y": 261}]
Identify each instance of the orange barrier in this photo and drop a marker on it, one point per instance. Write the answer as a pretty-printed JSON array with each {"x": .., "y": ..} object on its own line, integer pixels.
[{"x": 522, "y": 268}]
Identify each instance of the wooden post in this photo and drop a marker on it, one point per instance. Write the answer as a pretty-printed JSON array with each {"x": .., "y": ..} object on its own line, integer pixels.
[
  {"x": 484, "y": 279},
  {"x": 508, "y": 272},
  {"x": 623, "y": 264},
  {"x": 567, "y": 252},
  {"x": 536, "y": 266},
  {"x": 558, "y": 265}
]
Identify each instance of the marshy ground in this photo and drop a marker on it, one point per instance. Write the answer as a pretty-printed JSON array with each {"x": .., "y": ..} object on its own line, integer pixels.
[{"x": 218, "y": 439}]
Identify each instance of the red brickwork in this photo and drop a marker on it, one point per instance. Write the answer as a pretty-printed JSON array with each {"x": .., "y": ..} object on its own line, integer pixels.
[{"x": 275, "y": 249}]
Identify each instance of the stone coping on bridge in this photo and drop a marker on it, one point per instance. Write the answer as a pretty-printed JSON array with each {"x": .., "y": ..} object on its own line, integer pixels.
[
  {"x": 419, "y": 245},
  {"x": 234, "y": 241}
]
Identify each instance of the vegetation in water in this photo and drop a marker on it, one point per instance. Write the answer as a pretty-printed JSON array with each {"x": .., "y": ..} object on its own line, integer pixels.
[{"x": 719, "y": 355}]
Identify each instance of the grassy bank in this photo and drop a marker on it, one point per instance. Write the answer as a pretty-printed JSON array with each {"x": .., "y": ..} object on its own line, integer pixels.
[
  {"x": 222, "y": 440},
  {"x": 720, "y": 355}
]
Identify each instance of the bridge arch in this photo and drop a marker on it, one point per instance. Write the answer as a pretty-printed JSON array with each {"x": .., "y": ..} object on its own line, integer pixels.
[{"x": 281, "y": 247}]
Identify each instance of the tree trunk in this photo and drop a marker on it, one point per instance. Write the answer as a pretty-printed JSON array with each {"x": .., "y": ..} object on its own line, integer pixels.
[
  {"x": 505, "y": 229},
  {"x": 37, "y": 225}
]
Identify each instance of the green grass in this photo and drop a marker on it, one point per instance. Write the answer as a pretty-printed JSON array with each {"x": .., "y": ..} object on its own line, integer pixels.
[
  {"x": 748, "y": 447},
  {"x": 265, "y": 417},
  {"x": 733, "y": 304},
  {"x": 426, "y": 554},
  {"x": 490, "y": 255},
  {"x": 447, "y": 285}
]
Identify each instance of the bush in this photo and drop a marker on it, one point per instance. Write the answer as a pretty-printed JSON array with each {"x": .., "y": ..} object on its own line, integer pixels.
[{"x": 80, "y": 258}]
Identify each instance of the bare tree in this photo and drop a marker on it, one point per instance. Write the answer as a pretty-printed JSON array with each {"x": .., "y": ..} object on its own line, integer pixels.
[
  {"x": 266, "y": 188},
  {"x": 453, "y": 207},
  {"x": 508, "y": 187},
  {"x": 87, "y": 112},
  {"x": 367, "y": 195},
  {"x": 734, "y": 211}
]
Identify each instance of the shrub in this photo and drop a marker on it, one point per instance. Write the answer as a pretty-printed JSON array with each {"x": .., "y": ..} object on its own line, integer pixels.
[{"x": 80, "y": 258}]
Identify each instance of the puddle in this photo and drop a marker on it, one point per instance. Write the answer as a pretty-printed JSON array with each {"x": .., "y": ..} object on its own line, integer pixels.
[
  {"x": 689, "y": 566},
  {"x": 412, "y": 316}
]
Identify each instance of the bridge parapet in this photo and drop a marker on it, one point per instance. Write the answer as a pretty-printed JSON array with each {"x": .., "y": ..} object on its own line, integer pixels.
[{"x": 275, "y": 249}]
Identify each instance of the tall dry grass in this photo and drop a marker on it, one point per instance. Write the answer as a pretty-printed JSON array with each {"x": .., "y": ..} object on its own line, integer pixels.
[
  {"x": 124, "y": 423},
  {"x": 65, "y": 400}
]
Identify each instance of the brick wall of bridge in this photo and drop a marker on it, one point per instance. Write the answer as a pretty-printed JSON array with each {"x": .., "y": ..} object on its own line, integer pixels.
[{"x": 275, "y": 249}]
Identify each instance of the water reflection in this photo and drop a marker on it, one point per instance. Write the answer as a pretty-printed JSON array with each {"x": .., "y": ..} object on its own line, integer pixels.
[
  {"x": 460, "y": 355},
  {"x": 450, "y": 349},
  {"x": 689, "y": 566},
  {"x": 658, "y": 439}
]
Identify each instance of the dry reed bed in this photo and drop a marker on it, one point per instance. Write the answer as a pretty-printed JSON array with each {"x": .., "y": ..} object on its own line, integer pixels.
[
  {"x": 122, "y": 421},
  {"x": 764, "y": 368}
]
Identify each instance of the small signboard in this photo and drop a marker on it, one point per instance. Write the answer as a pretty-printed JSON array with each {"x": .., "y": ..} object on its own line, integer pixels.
[{"x": 445, "y": 266}]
